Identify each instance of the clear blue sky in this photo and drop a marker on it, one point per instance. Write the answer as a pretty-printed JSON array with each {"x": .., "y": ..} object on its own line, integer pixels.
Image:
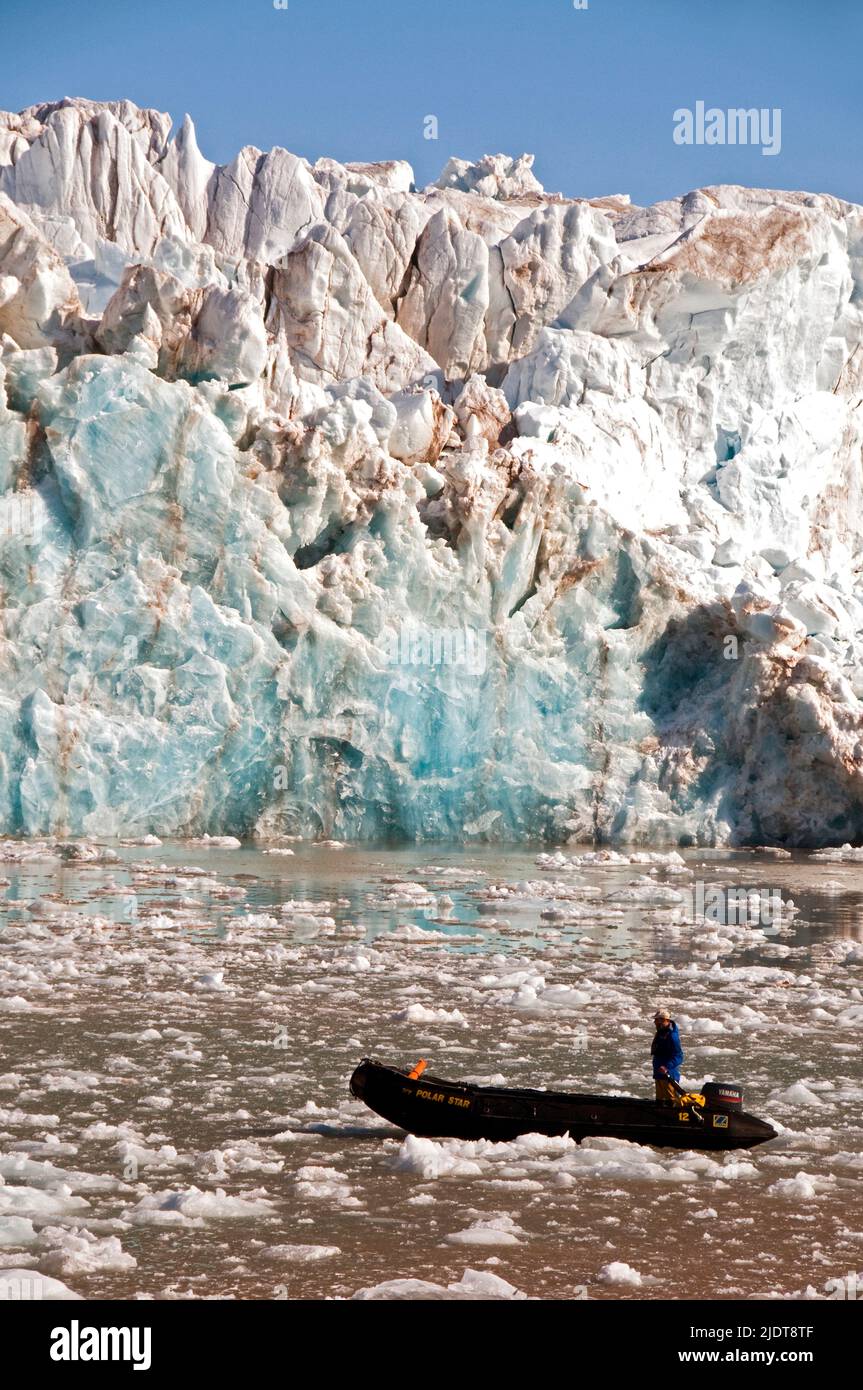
[{"x": 591, "y": 92}]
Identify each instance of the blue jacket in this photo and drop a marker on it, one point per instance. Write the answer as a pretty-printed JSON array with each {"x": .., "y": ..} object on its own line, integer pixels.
[{"x": 667, "y": 1052}]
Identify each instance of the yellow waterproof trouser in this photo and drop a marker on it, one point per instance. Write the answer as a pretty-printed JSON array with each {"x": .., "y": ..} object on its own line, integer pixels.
[{"x": 665, "y": 1092}]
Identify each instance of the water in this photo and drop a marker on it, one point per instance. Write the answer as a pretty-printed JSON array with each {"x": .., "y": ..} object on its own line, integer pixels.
[{"x": 175, "y": 1049}]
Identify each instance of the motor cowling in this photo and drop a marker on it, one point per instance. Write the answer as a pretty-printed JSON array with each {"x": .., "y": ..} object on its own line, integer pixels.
[{"x": 721, "y": 1095}]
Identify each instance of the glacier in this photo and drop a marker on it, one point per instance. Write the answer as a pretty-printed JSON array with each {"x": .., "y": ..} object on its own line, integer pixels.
[{"x": 260, "y": 421}]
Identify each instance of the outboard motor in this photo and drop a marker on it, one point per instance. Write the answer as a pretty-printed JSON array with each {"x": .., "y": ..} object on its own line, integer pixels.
[{"x": 722, "y": 1096}]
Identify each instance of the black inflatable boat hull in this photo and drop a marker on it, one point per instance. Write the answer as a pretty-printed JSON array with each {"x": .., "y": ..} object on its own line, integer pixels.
[{"x": 456, "y": 1110}]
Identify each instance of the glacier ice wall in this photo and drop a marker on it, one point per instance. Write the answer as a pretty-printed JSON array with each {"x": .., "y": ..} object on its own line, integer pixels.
[{"x": 283, "y": 445}]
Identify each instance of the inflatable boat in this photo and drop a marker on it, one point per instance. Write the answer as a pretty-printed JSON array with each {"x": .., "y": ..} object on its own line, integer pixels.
[{"x": 712, "y": 1118}]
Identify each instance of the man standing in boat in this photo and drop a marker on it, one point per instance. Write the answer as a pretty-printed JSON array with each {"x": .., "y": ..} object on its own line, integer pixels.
[{"x": 667, "y": 1057}]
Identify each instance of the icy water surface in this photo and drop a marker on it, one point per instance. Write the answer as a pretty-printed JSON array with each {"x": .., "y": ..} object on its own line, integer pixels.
[{"x": 178, "y": 1027}]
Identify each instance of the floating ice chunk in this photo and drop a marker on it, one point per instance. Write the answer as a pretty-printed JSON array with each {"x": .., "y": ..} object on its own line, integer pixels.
[
  {"x": 805, "y": 1187},
  {"x": 19, "y": 1168},
  {"x": 852, "y": 1017},
  {"x": 217, "y": 842},
  {"x": 619, "y": 1273},
  {"x": 299, "y": 1254},
  {"x": 490, "y": 1230},
  {"x": 797, "y": 1094},
  {"x": 418, "y": 1013},
  {"x": 428, "y": 1159},
  {"x": 408, "y": 931},
  {"x": 171, "y": 1206},
  {"x": 481, "y": 1284},
  {"x": 259, "y": 921},
  {"x": 213, "y": 979},
  {"x": 38, "y": 1205},
  {"x": 16, "y": 1230},
  {"x": 80, "y": 1252},
  {"x": 327, "y": 1184},
  {"x": 647, "y": 894},
  {"x": 473, "y": 1285}
]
